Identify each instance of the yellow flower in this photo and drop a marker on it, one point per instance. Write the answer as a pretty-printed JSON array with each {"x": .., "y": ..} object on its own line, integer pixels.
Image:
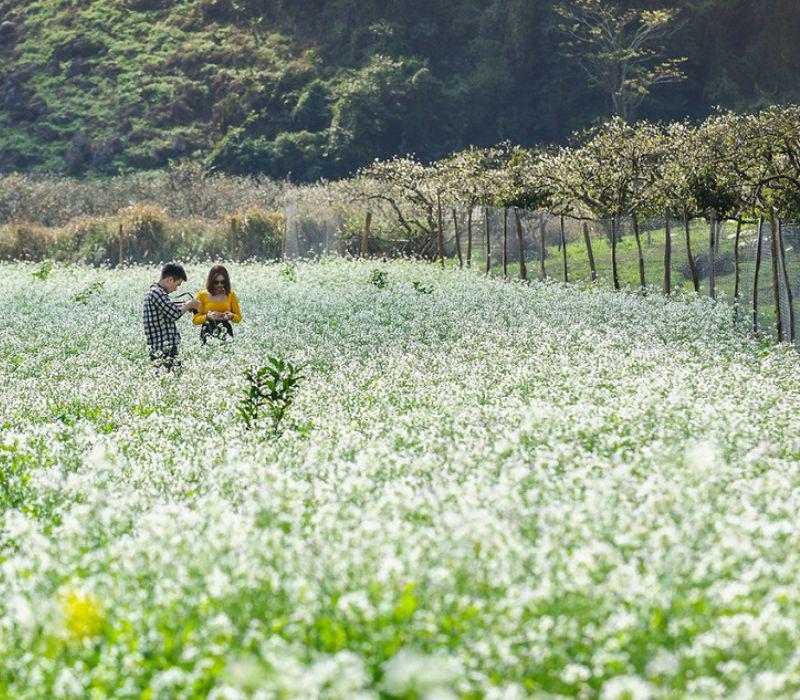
[{"x": 83, "y": 614}]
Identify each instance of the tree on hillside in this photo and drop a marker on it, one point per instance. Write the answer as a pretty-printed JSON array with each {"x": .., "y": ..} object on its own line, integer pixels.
[{"x": 621, "y": 51}]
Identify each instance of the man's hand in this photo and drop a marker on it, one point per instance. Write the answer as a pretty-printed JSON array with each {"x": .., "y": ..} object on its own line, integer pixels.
[{"x": 192, "y": 305}]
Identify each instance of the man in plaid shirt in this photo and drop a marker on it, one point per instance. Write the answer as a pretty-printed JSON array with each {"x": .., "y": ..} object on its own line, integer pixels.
[{"x": 160, "y": 314}]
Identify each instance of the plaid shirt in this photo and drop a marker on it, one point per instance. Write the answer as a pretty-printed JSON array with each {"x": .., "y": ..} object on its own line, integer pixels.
[{"x": 160, "y": 314}]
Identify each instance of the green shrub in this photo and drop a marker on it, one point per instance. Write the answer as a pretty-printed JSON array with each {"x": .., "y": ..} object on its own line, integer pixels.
[
  {"x": 93, "y": 239},
  {"x": 19, "y": 241},
  {"x": 199, "y": 239},
  {"x": 146, "y": 232},
  {"x": 258, "y": 233}
]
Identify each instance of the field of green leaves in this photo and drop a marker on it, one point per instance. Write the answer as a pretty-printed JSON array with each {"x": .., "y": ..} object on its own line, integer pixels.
[{"x": 482, "y": 489}]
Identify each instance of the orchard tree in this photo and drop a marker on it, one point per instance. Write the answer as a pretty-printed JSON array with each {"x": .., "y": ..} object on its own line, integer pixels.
[
  {"x": 401, "y": 188},
  {"x": 608, "y": 175},
  {"x": 555, "y": 170},
  {"x": 713, "y": 185},
  {"x": 768, "y": 149},
  {"x": 485, "y": 175},
  {"x": 678, "y": 170}
]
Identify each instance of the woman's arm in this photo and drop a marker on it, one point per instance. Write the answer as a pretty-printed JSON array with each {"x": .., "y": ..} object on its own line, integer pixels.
[
  {"x": 200, "y": 317},
  {"x": 237, "y": 312}
]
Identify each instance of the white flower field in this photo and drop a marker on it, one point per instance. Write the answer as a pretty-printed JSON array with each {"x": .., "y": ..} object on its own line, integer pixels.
[{"x": 482, "y": 490}]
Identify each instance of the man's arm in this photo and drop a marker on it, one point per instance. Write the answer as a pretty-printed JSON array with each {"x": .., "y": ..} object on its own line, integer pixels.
[{"x": 169, "y": 308}]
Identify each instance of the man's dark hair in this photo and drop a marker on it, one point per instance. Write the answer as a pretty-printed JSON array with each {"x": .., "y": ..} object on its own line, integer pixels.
[{"x": 173, "y": 270}]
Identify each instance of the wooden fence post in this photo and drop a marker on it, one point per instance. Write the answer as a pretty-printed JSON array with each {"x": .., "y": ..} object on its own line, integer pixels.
[
  {"x": 789, "y": 295},
  {"x": 121, "y": 251},
  {"x": 365, "y": 235},
  {"x": 542, "y": 246},
  {"x": 776, "y": 292},
  {"x": 687, "y": 226},
  {"x": 736, "y": 264},
  {"x": 505, "y": 241},
  {"x": 488, "y": 240},
  {"x": 458, "y": 238},
  {"x": 523, "y": 268},
  {"x": 588, "y": 241},
  {"x": 712, "y": 273},
  {"x": 638, "y": 238},
  {"x": 469, "y": 236},
  {"x": 614, "y": 270},
  {"x": 440, "y": 227},
  {"x": 667, "y": 254},
  {"x": 759, "y": 244}
]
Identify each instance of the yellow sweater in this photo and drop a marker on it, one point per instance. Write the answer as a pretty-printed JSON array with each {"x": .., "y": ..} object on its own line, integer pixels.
[{"x": 230, "y": 303}]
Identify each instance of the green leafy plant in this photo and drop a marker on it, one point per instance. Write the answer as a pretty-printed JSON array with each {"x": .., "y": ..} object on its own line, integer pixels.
[
  {"x": 269, "y": 393},
  {"x": 289, "y": 271},
  {"x": 380, "y": 278},
  {"x": 44, "y": 270},
  {"x": 422, "y": 288},
  {"x": 93, "y": 288}
]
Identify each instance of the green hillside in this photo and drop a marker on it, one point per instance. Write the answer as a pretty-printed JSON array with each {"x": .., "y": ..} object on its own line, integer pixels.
[{"x": 319, "y": 87}]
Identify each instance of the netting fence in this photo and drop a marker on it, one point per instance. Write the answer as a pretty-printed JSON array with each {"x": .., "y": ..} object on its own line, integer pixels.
[{"x": 765, "y": 289}]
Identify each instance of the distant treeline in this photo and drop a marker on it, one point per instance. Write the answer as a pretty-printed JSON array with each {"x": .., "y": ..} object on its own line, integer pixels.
[{"x": 318, "y": 88}]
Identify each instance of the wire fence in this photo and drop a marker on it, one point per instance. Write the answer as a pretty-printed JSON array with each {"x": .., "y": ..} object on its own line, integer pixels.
[{"x": 764, "y": 285}]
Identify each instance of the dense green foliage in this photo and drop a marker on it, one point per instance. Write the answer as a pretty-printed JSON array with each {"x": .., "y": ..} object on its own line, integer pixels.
[{"x": 313, "y": 88}]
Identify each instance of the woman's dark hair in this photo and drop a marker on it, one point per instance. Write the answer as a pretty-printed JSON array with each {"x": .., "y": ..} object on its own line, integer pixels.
[
  {"x": 212, "y": 273},
  {"x": 173, "y": 270}
]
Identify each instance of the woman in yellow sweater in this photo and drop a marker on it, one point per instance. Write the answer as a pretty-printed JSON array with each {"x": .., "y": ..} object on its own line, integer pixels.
[{"x": 219, "y": 305}]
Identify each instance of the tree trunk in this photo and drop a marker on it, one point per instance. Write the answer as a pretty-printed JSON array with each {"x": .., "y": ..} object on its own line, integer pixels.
[
  {"x": 776, "y": 292},
  {"x": 614, "y": 270},
  {"x": 692, "y": 267},
  {"x": 759, "y": 244},
  {"x": 488, "y": 241},
  {"x": 588, "y": 242},
  {"x": 736, "y": 262},
  {"x": 439, "y": 229},
  {"x": 667, "y": 254},
  {"x": 563, "y": 242},
  {"x": 505, "y": 242},
  {"x": 121, "y": 251},
  {"x": 458, "y": 238},
  {"x": 542, "y": 246},
  {"x": 365, "y": 235},
  {"x": 637, "y": 236},
  {"x": 789, "y": 296},
  {"x": 712, "y": 259},
  {"x": 523, "y": 269},
  {"x": 469, "y": 236},
  {"x": 233, "y": 238}
]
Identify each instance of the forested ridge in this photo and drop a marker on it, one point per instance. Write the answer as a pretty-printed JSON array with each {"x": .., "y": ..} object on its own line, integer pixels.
[{"x": 318, "y": 88}]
